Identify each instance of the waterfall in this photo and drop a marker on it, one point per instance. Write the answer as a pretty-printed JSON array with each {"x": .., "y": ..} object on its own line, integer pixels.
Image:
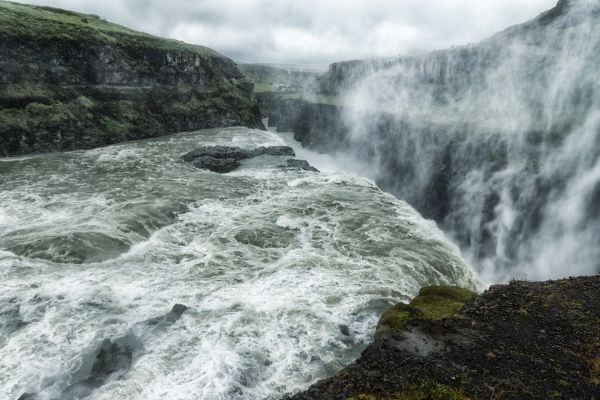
[{"x": 499, "y": 142}]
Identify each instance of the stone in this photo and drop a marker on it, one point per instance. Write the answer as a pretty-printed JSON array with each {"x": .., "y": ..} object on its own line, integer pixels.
[
  {"x": 219, "y": 165},
  {"x": 344, "y": 330},
  {"x": 300, "y": 165},
  {"x": 171, "y": 317},
  {"x": 223, "y": 159}
]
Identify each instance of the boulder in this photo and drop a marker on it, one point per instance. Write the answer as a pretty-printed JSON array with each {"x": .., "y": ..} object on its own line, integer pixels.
[
  {"x": 300, "y": 165},
  {"x": 223, "y": 159},
  {"x": 218, "y": 152},
  {"x": 220, "y": 165},
  {"x": 171, "y": 317}
]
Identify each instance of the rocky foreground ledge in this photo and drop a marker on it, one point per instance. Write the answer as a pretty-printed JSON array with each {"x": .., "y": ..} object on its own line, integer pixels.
[{"x": 525, "y": 340}]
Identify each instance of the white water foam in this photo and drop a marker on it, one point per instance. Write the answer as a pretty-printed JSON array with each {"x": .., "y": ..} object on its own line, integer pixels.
[{"x": 269, "y": 261}]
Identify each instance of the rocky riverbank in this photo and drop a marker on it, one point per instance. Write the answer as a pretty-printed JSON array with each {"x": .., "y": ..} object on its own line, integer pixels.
[
  {"x": 71, "y": 81},
  {"x": 525, "y": 340}
]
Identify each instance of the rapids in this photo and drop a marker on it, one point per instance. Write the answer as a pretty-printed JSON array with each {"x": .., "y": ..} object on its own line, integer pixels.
[{"x": 273, "y": 265}]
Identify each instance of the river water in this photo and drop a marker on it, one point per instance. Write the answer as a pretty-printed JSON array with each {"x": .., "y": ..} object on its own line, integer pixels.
[{"x": 271, "y": 263}]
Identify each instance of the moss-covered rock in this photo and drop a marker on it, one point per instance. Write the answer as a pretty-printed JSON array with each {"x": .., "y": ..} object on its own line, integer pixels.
[
  {"x": 433, "y": 303},
  {"x": 426, "y": 391}
]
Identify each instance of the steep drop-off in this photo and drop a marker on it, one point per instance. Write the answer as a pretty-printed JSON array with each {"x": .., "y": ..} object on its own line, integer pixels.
[
  {"x": 499, "y": 142},
  {"x": 521, "y": 341},
  {"x": 70, "y": 81}
]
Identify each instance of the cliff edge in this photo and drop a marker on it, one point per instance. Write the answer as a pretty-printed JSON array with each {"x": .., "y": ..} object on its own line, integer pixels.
[
  {"x": 525, "y": 340},
  {"x": 71, "y": 81}
]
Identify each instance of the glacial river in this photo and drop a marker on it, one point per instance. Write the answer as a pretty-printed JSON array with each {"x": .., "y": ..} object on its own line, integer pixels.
[{"x": 284, "y": 272}]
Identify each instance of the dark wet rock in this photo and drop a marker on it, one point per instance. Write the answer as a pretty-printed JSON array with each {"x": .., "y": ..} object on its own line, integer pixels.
[
  {"x": 110, "y": 361},
  {"x": 171, "y": 317},
  {"x": 176, "y": 312},
  {"x": 220, "y": 165},
  {"x": 273, "y": 151},
  {"x": 526, "y": 340},
  {"x": 223, "y": 159},
  {"x": 344, "y": 330},
  {"x": 301, "y": 165},
  {"x": 218, "y": 152}
]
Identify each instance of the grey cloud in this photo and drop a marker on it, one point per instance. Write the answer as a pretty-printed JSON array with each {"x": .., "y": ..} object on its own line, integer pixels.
[{"x": 314, "y": 31}]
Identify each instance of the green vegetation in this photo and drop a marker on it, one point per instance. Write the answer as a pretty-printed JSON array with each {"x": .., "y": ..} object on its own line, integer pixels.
[
  {"x": 434, "y": 303},
  {"x": 264, "y": 87},
  {"x": 46, "y": 23},
  {"x": 596, "y": 371},
  {"x": 595, "y": 363},
  {"x": 426, "y": 391},
  {"x": 45, "y": 110},
  {"x": 37, "y": 115},
  {"x": 25, "y": 92},
  {"x": 440, "y": 302}
]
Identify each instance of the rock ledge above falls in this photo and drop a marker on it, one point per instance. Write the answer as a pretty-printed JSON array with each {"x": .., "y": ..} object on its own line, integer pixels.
[
  {"x": 224, "y": 159},
  {"x": 525, "y": 340}
]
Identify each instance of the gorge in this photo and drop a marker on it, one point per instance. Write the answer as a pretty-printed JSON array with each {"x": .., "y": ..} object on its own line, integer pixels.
[
  {"x": 497, "y": 141},
  {"x": 176, "y": 225}
]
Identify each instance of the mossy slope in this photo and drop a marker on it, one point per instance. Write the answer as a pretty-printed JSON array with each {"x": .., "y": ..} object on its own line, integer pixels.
[
  {"x": 426, "y": 391},
  {"x": 433, "y": 303}
]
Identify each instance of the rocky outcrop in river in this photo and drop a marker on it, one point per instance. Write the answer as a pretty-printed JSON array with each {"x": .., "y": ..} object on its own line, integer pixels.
[
  {"x": 71, "y": 81},
  {"x": 223, "y": 159}
]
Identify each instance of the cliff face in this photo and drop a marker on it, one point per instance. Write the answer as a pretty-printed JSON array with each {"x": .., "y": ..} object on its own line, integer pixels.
[
  {"x": 498, "y": 142},
  {"x": 70, "y": 81}
]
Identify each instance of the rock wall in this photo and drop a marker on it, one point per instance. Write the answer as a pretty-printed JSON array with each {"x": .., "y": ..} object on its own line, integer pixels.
[
  {"x": 70, "y": 81},
  {"x": 499, "y": 142}
]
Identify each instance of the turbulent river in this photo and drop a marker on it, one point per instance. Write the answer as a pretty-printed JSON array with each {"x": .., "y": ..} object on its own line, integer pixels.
[{"x": 285, "y": 273}]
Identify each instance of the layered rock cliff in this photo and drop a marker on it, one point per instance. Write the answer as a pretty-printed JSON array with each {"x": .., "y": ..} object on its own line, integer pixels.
[
  {"x": 498, "y": 142},
  {"x": 70, "y": 81}
]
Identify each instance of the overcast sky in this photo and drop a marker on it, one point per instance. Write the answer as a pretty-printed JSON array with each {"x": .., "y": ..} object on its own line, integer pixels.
[{"x": 314, "y": 31}]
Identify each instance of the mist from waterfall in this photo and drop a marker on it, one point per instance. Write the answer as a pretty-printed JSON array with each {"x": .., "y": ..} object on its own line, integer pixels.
[{"x": 499, "y": 142}]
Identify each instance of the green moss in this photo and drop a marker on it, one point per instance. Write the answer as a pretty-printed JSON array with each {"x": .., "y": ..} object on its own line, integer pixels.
[
  {"x": 595, "y": 370},
  {"x": 12, "y": 119},
  {"x": 441, "y": 302},
  {"x": 434, "y": 303},
  {"x": 85, "y": 102},
  {"x": 25, "y": 91},
  {"x": 426, "y": 391},
  {"x": 48, "y": 115},
  {"x": 395, "y": 318},
  {"x": 25, "y": 21},
  {"x": 113, "y": 126}
]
